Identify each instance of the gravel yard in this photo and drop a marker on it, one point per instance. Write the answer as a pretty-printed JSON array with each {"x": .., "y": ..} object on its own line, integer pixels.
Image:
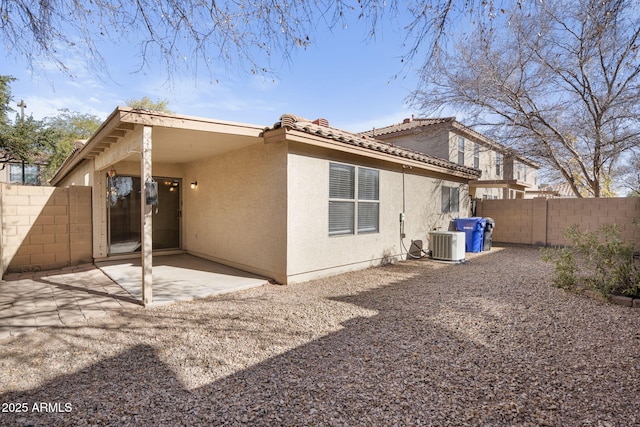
[{"x": 489, "y": 342}]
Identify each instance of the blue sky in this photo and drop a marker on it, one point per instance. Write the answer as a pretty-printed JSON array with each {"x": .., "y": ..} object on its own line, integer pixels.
[{"x": 342, "y": 77}]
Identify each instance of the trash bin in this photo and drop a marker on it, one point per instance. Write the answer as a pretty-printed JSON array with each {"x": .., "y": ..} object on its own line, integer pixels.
[
  {"x": 488, "y": 233},
  {"x": 474, "y": 232}
]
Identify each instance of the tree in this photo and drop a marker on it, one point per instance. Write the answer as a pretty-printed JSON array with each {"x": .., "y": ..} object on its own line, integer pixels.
[
  {"x": 146, "y": 103},
  {"x": 191, "y": 34},
  {"x": 49, "y": 140},
  {"x": 631, "y": 175},
  {"x": 559, "y": 82},
  {"x": 68, "y": 127},
  {"x": 23, "y": 139},
  {"x": 5, "y": 99}
]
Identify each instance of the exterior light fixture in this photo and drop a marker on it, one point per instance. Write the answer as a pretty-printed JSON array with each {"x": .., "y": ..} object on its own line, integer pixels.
[{"x": 194, "y": 185}]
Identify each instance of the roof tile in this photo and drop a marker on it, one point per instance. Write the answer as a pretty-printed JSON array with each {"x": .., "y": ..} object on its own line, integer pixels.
[{"x": 362, "y": 140}]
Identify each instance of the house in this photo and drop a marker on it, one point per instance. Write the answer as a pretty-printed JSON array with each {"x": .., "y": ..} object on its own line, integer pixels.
[
  {"x": 16, "y": 171},
  {"x": 562, "y": 190},
  {"x": 505, "y": 174},
  {"x": 293, "y": 201}
]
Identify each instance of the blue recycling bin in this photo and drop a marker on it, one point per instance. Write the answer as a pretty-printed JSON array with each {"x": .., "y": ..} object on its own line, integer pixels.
[{"x": 474, "y": 232}]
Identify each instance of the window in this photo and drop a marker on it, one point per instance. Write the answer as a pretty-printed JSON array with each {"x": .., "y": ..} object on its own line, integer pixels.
[
  {"x": 368, "y": 200},
  {"x": 525, "y": 173},
  {"x": 476, "y": 156},
  {"x": 460, "y": 150},
  {"x": 354, "y": 200},
  {"x": 15, "y": 173},
  {"x": 450, "y": 199},
  {"x": 498, "y": 164},
  {"x": 31, "y": 174},
  {"x": 518, "y": 167}
]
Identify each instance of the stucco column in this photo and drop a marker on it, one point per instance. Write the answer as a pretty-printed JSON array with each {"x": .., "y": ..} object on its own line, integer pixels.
[{"x": 146, "y": 218}]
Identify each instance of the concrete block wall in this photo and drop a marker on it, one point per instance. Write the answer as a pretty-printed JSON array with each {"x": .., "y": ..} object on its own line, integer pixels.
[
  {"x": 542, "y": 221},
  {"x": 44, "y": 227}
]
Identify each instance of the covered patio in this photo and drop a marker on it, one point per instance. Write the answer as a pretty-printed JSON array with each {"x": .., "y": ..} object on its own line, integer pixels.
[
  {"x": 180, "y": 277},
  {"x": 146, "y": 161}
]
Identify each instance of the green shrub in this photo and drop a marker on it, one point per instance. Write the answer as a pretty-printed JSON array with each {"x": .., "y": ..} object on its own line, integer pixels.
[
  {"x": 565, "y": 266},
  {"x": 600, "y": 260}
]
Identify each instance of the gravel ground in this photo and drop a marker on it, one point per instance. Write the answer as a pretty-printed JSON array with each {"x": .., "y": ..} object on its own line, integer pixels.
[{"x": 489, "y": 342}]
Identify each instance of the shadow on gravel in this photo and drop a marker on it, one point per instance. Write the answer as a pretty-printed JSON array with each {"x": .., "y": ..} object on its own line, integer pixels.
[{"x": 443, "y": 349}]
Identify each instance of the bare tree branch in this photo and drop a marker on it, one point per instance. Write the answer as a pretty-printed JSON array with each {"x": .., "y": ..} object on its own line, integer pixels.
[{"x": 558, "y": 83}]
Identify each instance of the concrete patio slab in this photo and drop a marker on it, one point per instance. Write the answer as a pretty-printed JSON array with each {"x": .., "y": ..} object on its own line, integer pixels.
[
  {"x": 180, "y": 277},
  {"x": 59, "y": 298},
  {"x": 29, "y": 301}
]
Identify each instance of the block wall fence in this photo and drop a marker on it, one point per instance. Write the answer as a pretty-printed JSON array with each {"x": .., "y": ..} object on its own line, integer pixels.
[
  {"x": 541, "y": 221},
  {"x": 44, "y": 227}
]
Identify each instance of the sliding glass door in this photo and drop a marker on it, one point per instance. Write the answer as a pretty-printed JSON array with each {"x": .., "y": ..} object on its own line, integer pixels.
[{"x": 124, "y": 202}]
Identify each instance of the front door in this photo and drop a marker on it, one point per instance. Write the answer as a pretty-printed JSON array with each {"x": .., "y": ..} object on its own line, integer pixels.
[{"x": 124, "y": 202}]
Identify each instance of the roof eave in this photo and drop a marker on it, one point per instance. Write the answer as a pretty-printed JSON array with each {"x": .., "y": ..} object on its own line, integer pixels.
[{"x": 295, "y": 135}]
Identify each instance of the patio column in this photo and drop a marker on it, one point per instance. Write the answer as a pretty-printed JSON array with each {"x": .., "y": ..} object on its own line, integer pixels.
[{"x": 146, "y": 214}]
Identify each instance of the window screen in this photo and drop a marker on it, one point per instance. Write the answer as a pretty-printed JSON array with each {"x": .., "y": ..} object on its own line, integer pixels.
[
  {"x": 460, "y": 150},
  {"x": 341, "y": 181},
  {"x": 341, "y": 218},
  {"x": 450, "y": 199},
  {"x": 15, "y": 173},
  {"x": 476, "y": 156}
]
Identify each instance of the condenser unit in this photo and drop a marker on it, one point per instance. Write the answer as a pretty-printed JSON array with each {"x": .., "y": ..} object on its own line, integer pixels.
[{"x": 447, "y": 245}]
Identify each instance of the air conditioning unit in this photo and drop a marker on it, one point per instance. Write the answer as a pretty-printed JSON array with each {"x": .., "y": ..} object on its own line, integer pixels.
[{"x": 447, "y": 245}]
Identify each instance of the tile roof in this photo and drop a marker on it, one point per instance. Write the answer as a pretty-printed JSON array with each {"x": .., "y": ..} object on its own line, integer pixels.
[
  {"x": 294, "y": 122},
  {"x": 408, "y": 124},
  {"x": 450, "y": 122}
]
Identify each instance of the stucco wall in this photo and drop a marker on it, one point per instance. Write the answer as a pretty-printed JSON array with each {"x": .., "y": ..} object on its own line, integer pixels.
[
  {"x": 81, "y": 175},
  {"x": 313, "y": 253},
  {"x": 237, "y": 215},
  {"x": 542, "y": 221},
  {"x": 435, "y": 144},
  {"x": 44, "y": 227}
]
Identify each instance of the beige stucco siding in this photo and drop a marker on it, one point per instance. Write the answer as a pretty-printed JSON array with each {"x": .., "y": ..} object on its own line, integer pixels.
[
  {"x": 80, "y": 175},
  {"x": 434, "y": 144},
  {"x": 237, "y": 215},
  {"x": 313, "y": 253}
]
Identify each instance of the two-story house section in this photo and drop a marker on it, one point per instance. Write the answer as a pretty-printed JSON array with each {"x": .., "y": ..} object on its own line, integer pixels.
[{"x": 505, "y": 174}]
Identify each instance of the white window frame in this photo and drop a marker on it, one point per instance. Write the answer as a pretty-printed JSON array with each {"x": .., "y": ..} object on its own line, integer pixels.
[
  {"x": 498, "y": 164},
  {"x": 355, "y": 199},
  {"x": 27, "y": 174},
  {"x": 15, "y": 173}
]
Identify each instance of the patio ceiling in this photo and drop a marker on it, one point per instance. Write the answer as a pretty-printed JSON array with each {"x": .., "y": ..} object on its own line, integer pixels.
[{"x": 172, "y": 145}]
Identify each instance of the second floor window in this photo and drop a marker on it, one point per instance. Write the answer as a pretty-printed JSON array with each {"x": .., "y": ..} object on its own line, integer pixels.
[
  {"x": 498, "y": 164},
  {"x": 460, "y": 150},
  {"x": 476, "y": 156}
]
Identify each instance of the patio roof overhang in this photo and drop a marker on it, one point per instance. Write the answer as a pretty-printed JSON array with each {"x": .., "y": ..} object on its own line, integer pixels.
[{"x": 176, "y": 138}]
